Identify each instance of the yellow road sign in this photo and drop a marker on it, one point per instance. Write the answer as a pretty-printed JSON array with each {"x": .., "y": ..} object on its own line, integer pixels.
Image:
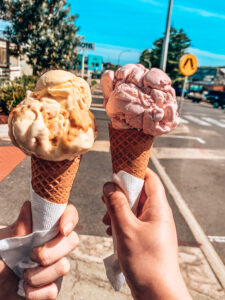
[{"x": 188, "y": 64}]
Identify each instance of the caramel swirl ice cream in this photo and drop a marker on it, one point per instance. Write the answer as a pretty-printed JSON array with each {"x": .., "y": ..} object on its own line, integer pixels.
[{"x": 54, "y": 122}]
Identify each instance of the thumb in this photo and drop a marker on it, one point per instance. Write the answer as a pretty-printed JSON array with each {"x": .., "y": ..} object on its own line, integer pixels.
[
  {"x": 23, "y": 224},
  {"x": 118, "y": 208}
]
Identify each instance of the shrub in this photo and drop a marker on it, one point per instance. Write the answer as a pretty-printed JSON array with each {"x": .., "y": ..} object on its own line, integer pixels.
[{"x": 13, "y": 92}]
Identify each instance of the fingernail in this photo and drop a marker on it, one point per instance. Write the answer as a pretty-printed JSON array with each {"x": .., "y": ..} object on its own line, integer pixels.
[
  {"x": 108, "y": 188},
  {"x": 68, "y": 228}
]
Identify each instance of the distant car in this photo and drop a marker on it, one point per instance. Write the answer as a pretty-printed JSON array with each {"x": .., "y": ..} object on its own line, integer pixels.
[
  {"x": 179, "y": 91},
  {"x": 195, "y": 96},
  {"x": 216, "y": 98}
]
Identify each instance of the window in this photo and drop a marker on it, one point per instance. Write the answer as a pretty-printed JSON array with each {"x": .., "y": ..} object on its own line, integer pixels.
[{"x": 3, "y": 59}]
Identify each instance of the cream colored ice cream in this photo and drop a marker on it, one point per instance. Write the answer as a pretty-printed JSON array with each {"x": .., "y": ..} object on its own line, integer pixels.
[{"x": 54, "y": 122}]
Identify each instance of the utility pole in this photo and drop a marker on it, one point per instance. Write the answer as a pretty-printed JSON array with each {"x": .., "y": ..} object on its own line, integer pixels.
[{"x": 166, "y": 39}]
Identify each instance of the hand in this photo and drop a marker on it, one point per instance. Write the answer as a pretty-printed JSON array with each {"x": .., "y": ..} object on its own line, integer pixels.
[
  {"x": 146, "y": 246},
  {"x": 44, "y": 281}
]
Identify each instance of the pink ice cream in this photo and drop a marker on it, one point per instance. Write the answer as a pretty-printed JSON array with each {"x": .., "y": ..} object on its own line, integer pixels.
[{"x": 136, "y": 97}]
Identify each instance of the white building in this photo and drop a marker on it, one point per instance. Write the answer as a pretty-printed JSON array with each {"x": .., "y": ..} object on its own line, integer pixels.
[{"x": 11, "y": 66}]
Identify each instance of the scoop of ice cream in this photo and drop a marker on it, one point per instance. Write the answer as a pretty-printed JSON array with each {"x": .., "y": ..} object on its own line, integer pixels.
[
  {"x": 135, "y": 97},
  {"x": 54, "y": 122}
]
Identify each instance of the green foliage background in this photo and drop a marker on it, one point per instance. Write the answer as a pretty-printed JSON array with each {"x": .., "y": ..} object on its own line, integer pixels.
[{"x": 43, "y": 30}]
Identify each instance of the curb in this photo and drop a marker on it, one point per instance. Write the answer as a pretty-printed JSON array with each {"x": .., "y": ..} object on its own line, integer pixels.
[{"x": 208, "y": 250}]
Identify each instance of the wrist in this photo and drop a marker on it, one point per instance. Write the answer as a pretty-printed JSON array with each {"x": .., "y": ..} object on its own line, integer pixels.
[{"x": 172, "y": 289}]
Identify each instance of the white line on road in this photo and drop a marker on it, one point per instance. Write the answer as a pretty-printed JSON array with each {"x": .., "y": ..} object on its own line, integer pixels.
[
  {"x": 3, "y": 130},
  {"x": 97, "y": 108},
  {"x": 183, "y": 121},
  {"x": 200, "y": 140},
  {"x": 207, "y": 248},
  {"x": 197, "y": 121},
  {"x": 189, "y": 153},
  {"x": 213, "y": 121},
  {"x": 216, "y": 239}
]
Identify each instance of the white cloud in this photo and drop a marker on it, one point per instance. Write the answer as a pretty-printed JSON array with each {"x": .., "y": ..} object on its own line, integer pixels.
[
  {"x": 111, "y": 53},
  {"x": 208, "y": 54},
  {"x": 201, "y": 12},
  {"x": 207, "y": 58}
]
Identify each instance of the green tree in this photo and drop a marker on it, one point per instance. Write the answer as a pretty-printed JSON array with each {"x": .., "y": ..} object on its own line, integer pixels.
[
  {"x": 145, "y": 58},
  {"x": 178, "y": 43},
  {"x": 43, "y": 30},
  {"x": 110, "y": 66}
]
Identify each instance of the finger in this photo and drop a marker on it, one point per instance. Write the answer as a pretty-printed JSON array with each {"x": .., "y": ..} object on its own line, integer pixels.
[
  {"x": 106, "y": 219},
  {"x": 155, "y": 205},
  {"x": 109, "y": 231},
  {"x": 55, "y": 249},
  {"x": 49, "y": 291},
  {"x": 23, "y": 224},
  {"x": 103, "y": 199},
  {"x": 40, "y": 276},
  {"x": 68, "y": 220},
  {"x": 118, "y": 208}
]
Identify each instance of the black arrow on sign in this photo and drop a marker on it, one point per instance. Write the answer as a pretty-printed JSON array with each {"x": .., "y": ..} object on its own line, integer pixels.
[{"x": 191, "y": 61}]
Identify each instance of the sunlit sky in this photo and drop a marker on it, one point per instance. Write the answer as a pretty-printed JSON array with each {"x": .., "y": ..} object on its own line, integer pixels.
[
  {"x": 133, "y": 25},
  {"x": 117, "y": 25}
]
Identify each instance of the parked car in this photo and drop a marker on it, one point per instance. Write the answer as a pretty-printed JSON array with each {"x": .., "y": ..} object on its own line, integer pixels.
[
  {"x": 178, "y": 91},
  {"x": 195, "y": 96},
  {"x": 216, "y": 98}
]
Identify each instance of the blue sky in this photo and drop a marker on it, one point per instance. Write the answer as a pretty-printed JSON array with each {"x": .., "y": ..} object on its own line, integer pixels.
[{"x": 119, "y": 25}]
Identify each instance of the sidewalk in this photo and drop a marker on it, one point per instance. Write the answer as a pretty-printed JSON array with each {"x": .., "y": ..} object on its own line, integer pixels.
[{"x": 87, "y": 279}]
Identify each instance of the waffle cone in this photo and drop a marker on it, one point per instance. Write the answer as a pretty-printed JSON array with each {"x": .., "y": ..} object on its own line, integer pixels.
[
  {"x": 130, "y": 150},
  {"x": 53, "y": 180}
]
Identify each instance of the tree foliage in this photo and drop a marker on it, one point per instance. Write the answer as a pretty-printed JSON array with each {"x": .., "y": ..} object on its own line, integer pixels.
[
  {"x": 178, "y": 43},
  {"x": 43, "y": 30}
]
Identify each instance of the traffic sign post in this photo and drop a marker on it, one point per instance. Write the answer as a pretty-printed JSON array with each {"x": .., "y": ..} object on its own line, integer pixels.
[
  {"x": 83, "y": 46},
  {"x": 188, "y": 65}
]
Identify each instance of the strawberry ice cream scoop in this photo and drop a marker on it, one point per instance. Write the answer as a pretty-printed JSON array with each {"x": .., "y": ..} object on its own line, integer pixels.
[{"x": 136, "y": 97}]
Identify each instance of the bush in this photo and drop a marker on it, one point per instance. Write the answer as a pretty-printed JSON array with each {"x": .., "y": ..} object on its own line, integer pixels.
[
  {"x": 13, "y": 92},
  {"x": 93, "y": 83}
]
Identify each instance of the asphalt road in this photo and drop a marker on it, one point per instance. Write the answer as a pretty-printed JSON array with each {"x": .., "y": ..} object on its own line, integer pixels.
[{"x": 193, "y": 157}]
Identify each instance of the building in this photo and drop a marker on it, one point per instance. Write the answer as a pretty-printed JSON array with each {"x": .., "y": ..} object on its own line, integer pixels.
[
  {"x": 11, "y": 66},
  {"x": 93, "y": 65},
  {"x": 213, "y": 82}
]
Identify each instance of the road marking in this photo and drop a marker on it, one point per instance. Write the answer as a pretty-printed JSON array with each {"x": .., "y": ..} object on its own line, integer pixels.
[
  {"x": 3, "y": 130},
  {"x": 213, "y": 121},
  {"x": 216, "y": 239},
  {"x": 188, "y": 153},
  {"x": 207, "y": 248},
  {"x": 183, "y": 121},
  {"x": 97, "y": 108},
  {"x": 101, "y": 146},
  {"x": 197, "y": 121},
  {"x": 200, "y": 140},
  {"x": 97, "y": 105}
]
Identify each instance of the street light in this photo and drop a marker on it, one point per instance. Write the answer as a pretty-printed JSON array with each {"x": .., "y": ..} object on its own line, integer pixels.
[
  {"x": 124, "y": 51},
  {"x": 166, "y": 39}
]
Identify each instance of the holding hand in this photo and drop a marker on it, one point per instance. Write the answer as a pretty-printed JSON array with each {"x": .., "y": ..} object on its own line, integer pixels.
[
  {"x": 146, "y": 246},
  {"x": 44, "y": 281}
]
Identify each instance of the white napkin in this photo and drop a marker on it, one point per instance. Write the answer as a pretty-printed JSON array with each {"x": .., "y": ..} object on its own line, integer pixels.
[
  {"x": 132, "y": 187},
  {"x": 15, "y": 251}
]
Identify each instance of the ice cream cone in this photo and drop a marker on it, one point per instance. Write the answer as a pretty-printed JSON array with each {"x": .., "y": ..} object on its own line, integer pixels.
[
  {"x": 53, "y": 180},
  {"x": 130, "y": 150}
]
